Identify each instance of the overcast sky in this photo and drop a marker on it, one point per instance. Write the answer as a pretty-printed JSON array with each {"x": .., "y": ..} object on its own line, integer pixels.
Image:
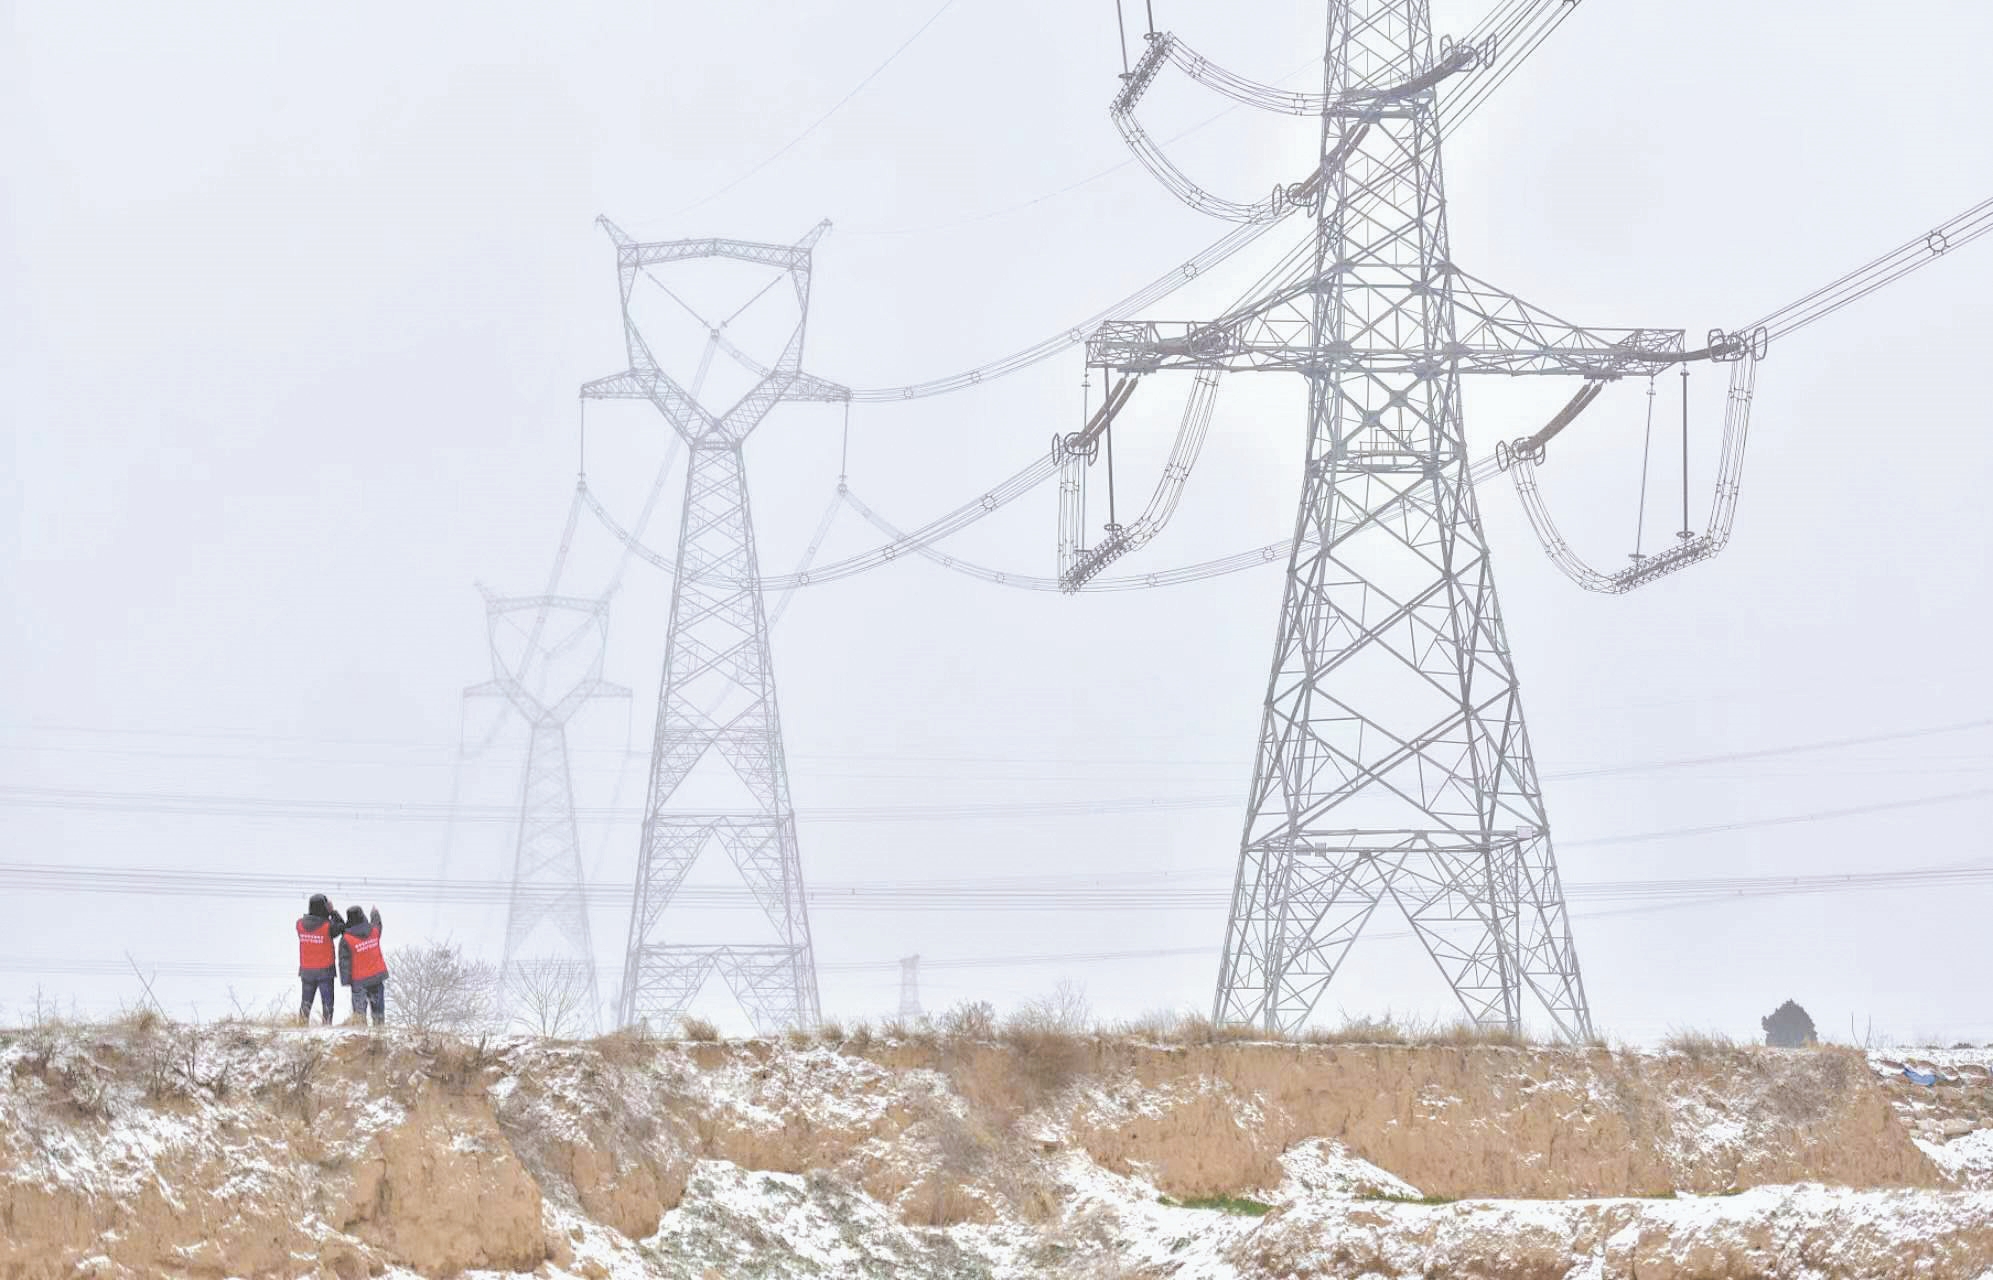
[{"x": 296, "y": 301}]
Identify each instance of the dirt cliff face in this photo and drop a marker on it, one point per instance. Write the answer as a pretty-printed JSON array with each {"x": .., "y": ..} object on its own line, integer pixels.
[
  {"x": 147, "y": 1150},
  {"x": 1492, "y": 1121}
]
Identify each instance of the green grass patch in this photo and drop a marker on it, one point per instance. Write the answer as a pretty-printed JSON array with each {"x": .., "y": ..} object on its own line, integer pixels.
[
  {"x": 1390, "y": 1198},
  {"x": 1243, "y": 1205}
]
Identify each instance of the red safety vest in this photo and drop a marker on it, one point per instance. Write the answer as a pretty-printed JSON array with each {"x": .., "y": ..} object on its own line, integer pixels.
[
  {"x": 368, "y": 962},
  {"x": 315, "y": 946}
]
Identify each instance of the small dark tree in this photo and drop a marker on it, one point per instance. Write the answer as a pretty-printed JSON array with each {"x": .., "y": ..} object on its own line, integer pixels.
[{"x": 1789, "y": 1027}]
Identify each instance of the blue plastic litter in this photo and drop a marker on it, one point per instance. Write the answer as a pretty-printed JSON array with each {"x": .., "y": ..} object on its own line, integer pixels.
[{"x": 1914, "y": 1076}]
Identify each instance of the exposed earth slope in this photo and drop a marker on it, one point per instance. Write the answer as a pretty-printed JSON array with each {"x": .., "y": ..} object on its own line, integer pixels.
[{"x": 146, "y": 1150}]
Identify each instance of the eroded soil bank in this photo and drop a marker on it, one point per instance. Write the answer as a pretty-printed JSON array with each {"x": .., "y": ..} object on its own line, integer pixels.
[{"x": 240, "y": 1150}]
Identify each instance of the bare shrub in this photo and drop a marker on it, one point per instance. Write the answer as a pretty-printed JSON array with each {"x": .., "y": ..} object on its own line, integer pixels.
[
  {"x": 1065, "y": 1009},
  {"x": 293, "y": 1081},
  {"x": 550, "y": 997},
  {"x": 697, "y": 1028},
  {"x": 437, "y": 988},
  {"x": 970, "y": 1020},
  {"x": 799, "y": 1037},
  {"x": 860, "y": 1038},
  {"x": 1047, "y": 1037},
  {"x": 1698, "y": 1045},
  {"x": 830, "y": 1031}
]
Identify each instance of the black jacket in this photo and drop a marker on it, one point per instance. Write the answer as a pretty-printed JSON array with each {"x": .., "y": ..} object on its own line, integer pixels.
[
  {"x": 367, "y": 929},
  {"x": 353, "y": 920},
  {"x": 317, "y": 913}
]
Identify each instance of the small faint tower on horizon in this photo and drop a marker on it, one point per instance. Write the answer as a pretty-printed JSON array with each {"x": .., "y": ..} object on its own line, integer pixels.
[{"x": 910, "y": 989}]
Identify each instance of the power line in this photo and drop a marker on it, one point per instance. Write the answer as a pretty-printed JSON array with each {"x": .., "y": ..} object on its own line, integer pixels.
[
  {"x": 49, "y": 966},
  {"x": 819, "y": 122},
  {"x": 1066, "y": 766},
  {"x": 1145, "y": 892},
  {"x": 194, "y": 804}
]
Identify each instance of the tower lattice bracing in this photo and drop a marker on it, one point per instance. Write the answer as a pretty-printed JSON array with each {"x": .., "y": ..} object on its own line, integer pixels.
[
  {"x": 552, "y": 676},
  {"x": 717, "y": 700},
  {"x": 1392, "y": 764}
]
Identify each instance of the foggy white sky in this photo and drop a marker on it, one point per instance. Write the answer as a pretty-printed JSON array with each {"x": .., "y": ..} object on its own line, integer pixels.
[{"x": 296, "y": 302}]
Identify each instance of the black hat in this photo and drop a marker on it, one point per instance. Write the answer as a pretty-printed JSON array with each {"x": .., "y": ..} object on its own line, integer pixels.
[
  {"x": 354, "y": 915},
  {"x": 318, "y": 906}
]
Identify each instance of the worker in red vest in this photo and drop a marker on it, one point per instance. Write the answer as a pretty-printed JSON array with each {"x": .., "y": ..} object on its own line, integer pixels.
[
  {"x": 317, "y": 928},
  {"x": 366, "y": 965}
]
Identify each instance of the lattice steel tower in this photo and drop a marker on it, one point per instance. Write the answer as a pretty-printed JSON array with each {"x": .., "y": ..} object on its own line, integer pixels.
[
  {"x": 1392, "y": 762},
  {"x": 910, "y": 1010},
  {"x": 718, "y": 694},
  {"x": 546, "y": 918}
]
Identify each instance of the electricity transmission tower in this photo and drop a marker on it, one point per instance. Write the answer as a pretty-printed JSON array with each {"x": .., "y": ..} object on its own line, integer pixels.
[
  {"x": 718, "y": 693},
  {"x": 910, "y": 989},
  {"x": 546, "y": 920},
  {"x": 1393, "y": 764}
]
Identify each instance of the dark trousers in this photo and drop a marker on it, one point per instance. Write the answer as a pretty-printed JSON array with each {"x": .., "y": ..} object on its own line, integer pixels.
[
  {"x": 372, "y": 996},
  {"x": 320, "y": 987}
]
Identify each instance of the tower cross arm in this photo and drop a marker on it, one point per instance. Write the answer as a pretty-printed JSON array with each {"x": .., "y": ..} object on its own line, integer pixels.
[
  {"x": 807, "y": 386},
  {"x": 1493, "y": 332},
  {"x": 787, "y": 257},
  {"x": 648, "y": 384},
  {"x": 1497, "y": 332}
]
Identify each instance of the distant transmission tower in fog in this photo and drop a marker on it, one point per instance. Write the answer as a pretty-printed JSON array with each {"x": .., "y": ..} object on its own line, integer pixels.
[
  {"x": 718, "y": 694},
  {"x": 910, "y": 989},
  {"x": 547, "y": 668}
]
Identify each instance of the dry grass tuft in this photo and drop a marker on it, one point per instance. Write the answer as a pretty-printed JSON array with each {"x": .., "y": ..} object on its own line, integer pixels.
[
  {"x": 1364, "y": 1030},
  {"x": 1697, "y": 1045},
  {"x": 1195, "y": 1028},
  {"x": 830, "y": 1031},
  {"x": 699, "y": 1029},
  {"x": 1157, "y": 1026}
]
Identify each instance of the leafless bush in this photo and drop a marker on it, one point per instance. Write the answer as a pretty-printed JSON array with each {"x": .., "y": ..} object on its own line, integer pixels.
[
  {"x": 550, "y": 997},
  {"x": 1047, "y": 1036},
  {"x": 293, "y": 1081},
  {"x": 697, "y": 1028},
  {"x": 1065, "y": 1009},
  {"x": 970, "y": 1020},
  {"x": 830, "y": 1031},
  {"x": 437, "y": 988},
  {"x": 860, "y": 1038}
]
